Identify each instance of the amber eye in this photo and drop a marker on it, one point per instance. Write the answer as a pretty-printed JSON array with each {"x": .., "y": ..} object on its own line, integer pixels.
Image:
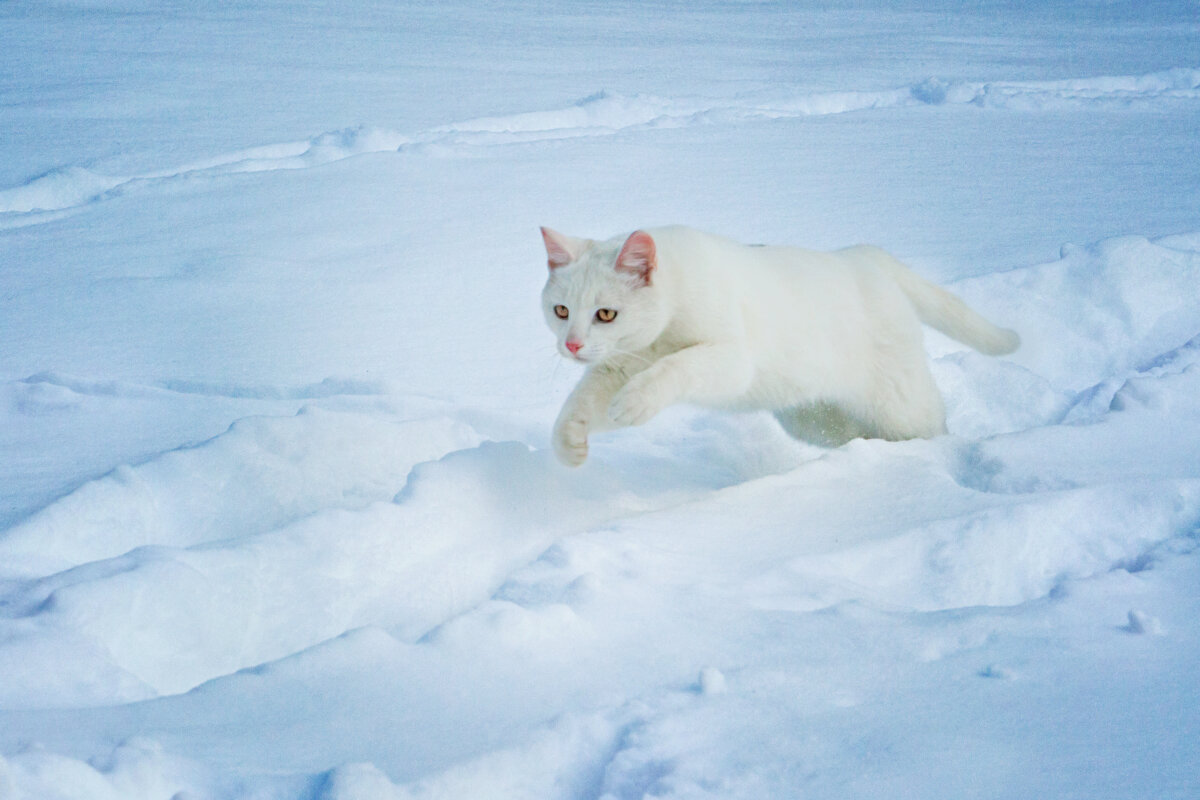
[
  {"x": 606, "y": 315},
  {"x": 561, "y": 312}
]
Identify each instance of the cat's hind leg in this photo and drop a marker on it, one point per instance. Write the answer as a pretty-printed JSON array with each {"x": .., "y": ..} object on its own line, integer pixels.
[
  {"x": 906, "y": 404},
  {"x": 901, "y": 400}
]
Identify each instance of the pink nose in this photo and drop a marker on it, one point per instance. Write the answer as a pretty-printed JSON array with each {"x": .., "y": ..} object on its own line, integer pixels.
[{"x": 574, "y": 346}]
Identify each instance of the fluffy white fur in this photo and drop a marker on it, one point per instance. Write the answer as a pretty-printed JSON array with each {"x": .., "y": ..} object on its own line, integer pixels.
[{"x": 829, "y": 342}]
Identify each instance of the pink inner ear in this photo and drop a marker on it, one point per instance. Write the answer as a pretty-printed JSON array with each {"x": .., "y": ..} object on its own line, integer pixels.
[
  {"x": 558, "y": 253},
  {"x": 638, "y": 256}
]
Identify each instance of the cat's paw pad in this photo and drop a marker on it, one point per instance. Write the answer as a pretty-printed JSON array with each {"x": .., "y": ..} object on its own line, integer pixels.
[
  {"x": 570, "y": 443},
  {"x": 633, "y": 406}
]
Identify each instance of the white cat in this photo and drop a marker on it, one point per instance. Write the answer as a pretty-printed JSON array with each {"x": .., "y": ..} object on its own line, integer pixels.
[{"x": 830, "y": 342}]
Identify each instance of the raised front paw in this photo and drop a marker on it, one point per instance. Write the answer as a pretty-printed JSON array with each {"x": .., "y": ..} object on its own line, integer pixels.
[
  {"x": 636, "y": 404},
  {"x": 570, "y": 442}
]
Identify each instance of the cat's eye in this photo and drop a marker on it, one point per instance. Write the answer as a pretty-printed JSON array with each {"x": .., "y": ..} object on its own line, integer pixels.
[
  {"x": 561, "y": 312},
  {"x": 606, "y": 315}
]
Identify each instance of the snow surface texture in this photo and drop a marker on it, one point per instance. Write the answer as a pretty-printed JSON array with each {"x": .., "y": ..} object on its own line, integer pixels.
[{"x": 277, "y": 514}]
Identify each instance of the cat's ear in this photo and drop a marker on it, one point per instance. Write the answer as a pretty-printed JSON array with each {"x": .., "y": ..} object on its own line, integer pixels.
[
  {"x": 638, "y": 257},
  {"x": 560, "y": 250}
]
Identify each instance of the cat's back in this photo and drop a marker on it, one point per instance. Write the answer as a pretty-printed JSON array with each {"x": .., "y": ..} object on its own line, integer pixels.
[
  {"x": 721, "y": 288},
  {"x": 681, "y": 243},
  {"x": 728, "y": 264},
  {"x": 698, "y": 253}
]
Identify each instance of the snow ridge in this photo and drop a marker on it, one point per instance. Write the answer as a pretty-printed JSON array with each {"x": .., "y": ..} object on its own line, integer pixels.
[{"x": 600, "y": 114}]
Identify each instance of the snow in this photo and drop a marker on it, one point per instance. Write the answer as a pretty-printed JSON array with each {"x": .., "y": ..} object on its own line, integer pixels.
[{"x": 278, "y": 514}]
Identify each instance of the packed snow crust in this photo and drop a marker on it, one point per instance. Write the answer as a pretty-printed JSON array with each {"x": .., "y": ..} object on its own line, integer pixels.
[{"x": 278, "y": 515}]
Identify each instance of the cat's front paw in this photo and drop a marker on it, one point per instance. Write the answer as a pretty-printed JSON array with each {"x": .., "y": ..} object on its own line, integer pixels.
[
  {"x": 570, "y": 442},
  {"x": 634, "y": 405}
]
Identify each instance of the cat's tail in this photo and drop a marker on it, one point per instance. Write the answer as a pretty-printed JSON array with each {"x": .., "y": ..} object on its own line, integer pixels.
[{"x": 946, "y": 312}]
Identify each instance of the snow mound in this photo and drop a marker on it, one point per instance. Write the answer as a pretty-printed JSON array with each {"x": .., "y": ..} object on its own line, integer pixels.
[
  {"x": 261, "y": 474},
  {"x": 225, "y": 537},
  {"x": 1099, "y": 312},
  {"x": 1009, "y": 554}
]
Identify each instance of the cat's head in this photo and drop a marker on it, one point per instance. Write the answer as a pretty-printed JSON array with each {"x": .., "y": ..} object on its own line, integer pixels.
[{"x": 601, "y": 300}]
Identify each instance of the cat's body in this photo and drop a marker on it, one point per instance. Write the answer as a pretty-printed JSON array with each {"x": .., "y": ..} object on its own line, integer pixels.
[{"x": 829, "y": 342}]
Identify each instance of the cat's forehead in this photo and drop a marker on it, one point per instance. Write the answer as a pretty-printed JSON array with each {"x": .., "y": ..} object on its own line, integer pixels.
[
  {"x": 588, "y": 278},
  {"x": 599, "y": 254},
  {"x": 594, "y": 263}
]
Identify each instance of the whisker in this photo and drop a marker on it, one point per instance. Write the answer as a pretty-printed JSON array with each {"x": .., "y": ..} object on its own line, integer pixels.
[{"x": 559, "y": 361}]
